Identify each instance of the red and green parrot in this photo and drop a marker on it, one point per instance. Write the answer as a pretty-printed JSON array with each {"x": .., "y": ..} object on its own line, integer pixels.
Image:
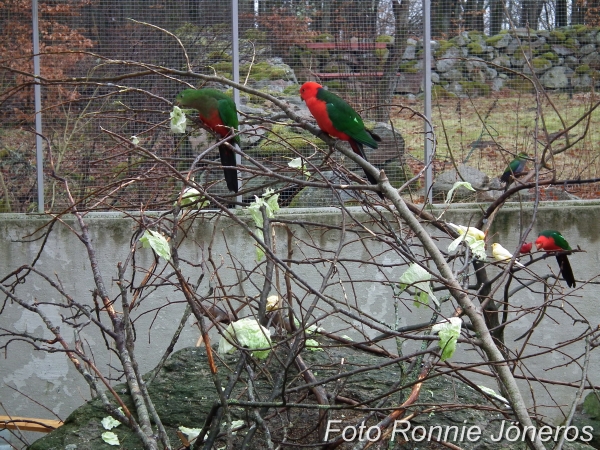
[
  {"x": 337, "y": 118},
  {"x": 515, "y": 167},
  {"x": 553, "y": 241},
  {"x": 218, "y": 112}
]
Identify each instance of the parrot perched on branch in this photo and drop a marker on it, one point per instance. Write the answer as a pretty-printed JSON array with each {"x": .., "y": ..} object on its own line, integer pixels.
[
  {"x": 337, "y": 118},
  {"x": 553, "y": 241},
  {"x": 218, "y": 112},
  {"x": 515, "y": 167},
  {"x": 500, "y": 254}
]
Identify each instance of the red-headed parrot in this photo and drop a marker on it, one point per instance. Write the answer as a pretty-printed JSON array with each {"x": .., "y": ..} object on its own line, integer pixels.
[
  {"x": 553, "y": 241},
  {"x": 218, "y": 112},
  {"x": 337, "y": 118},
  {"x": 515, "y": 167}
]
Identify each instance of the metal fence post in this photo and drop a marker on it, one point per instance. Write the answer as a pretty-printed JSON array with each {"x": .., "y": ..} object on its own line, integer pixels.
[
  {"x": 428, "y": 132},
  {"x": 37, "y": 93},
  {"x": 235, "y": 67}
]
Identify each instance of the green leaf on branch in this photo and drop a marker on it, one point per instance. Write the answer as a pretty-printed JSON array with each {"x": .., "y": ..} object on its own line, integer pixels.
[
  {"x": 271, "y": 205},
  {"x": 110, "y": 438},
  {"x": 298, "y": 163},
  {"x": 247, "y": 333},
  {"x": 157, "y": 242},
  {"x": 418, "y": 278},
  {"x": 457, "y": 185},
  {"x": 178, "y": 120},
  {"x": 448, "y": 332}
]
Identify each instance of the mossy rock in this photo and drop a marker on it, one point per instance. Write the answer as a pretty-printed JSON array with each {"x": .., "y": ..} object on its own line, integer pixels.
[
  {"x": 550, "y": 56},
  {"x": 444, "y": 46},
  {"x": 581, "y": 28},
  {"x": 571, "y": 43},
  {"x": 282, "y": 138},
  {"x": 494, "y": 39},
  {"x": 557, "y": 36},
  {"x": 476, "y": 88},
  {"x": 541, "y": 63},
  {"x": 438, "y": 92},
  {"x": 409, "y": 67},
  {"x": 583, "y": 69},
  {"x": 475, "y": 48},
  {"x": 222, "y": 67},
  {"x": 264, "y": 71},
  {"x": 323, "y": 37},
  {"x": 382, "y": 53},
  {"x": 334, "y": 85},
  {"x": 544, "y": 48},
  {"x": 385, "y": 38},
  {"x": 520, "y": 85},
  {"x": 219, "y": 55},
  {"x": 291, "y": 90},
  {"x": 253, "y": 34}
]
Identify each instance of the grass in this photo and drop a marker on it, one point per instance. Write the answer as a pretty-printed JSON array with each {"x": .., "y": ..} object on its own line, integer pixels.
[{"x": 470, "y": 129}]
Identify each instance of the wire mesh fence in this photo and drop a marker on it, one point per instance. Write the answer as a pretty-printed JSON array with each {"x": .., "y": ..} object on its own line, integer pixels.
[{"x": 508, "y": 77}]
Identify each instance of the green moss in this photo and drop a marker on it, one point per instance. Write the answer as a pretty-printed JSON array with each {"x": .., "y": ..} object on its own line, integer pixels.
[
  {"x": 409, "y": 67},
  {"x": 545, "y": 48},
  {"x": 324, "y": 37},
  {"x": 218, "y": 55},
  {"x": 580, "y": 28},
  {"x": 520, "y": 85},
  {"x": 475, "y": 48},
  {"x": 540, "y": 63},
  {"x": 475, "y": 34},
  {"x": 438, "y": 92},
  {"x": 335, "y": 85},
  {"x": 558, "y": 36},
  {"x": 264, "y": 71},
  {"x": 444, "y": 45},
  {"x": 281, "y": 137},
  {"x": 571, "y": 43},
  {"x": 384, "y": 38},
  {"x": 550, "y": 56},
  {"x": 494, "y": 39},
  {"x": 222, "y": 66},
  {"x": 382, "y": 53},
  {"x": 583, "y": 69},
  {"x": 475, "y": 88},
  {"x": 252, "y": 34},
  {"x": 291, "y": 90}
]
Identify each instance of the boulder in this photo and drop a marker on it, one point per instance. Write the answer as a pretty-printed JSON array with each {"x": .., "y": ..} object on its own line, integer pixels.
[
  {"x": 449, "y": 60},
  {"x": 561, "y": 50},
  {"x": 592, "y": 60},
  {"x": 587, "y": 49},
  {"x": 453, "y": 75},
  {"x": 445, "y": 181},
  {"x": 556, "y": 78}
]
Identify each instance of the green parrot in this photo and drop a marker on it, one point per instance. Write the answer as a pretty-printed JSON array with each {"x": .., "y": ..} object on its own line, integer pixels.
[
  {"x": 337, "y": 118},
  {"x": 515, "y": 167},
  {"x": 553, "y": 241},
  {"x": 218, "y": 112}
]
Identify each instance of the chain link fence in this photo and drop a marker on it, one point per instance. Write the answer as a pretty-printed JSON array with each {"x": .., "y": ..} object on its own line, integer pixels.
[{"x": 508, "y": 77}]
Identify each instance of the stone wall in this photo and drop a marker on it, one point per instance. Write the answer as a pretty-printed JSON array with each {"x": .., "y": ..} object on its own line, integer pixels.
[
  {"x": 474, "y": 64},
  {"x": 51, "y": 379}
]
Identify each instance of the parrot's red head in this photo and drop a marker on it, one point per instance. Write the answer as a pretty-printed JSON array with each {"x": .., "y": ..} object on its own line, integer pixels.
[
  {"x": 309, "y": 90},
  {"x": 545, "y": 243},
  {"x": 526, "y": 247}
]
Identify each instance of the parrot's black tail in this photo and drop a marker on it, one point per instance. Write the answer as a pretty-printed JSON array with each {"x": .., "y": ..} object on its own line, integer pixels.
[
  {"x": 358, "y": 149},
  {"x": 565, "y": 269},
  {"x": 228, "y": 159}
]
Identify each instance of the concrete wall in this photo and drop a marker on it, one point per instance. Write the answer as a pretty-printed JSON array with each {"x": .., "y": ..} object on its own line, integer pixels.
[{"x": 51, "y": 380}]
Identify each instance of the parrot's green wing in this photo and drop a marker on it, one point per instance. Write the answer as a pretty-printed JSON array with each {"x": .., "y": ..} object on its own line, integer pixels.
[
  {"x": 345, "y": 119},
  {"x": 229, "y": 115}
]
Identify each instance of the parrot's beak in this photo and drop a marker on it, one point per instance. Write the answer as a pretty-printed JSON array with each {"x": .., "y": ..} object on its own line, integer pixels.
[{"x": 538, "y": 245}]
